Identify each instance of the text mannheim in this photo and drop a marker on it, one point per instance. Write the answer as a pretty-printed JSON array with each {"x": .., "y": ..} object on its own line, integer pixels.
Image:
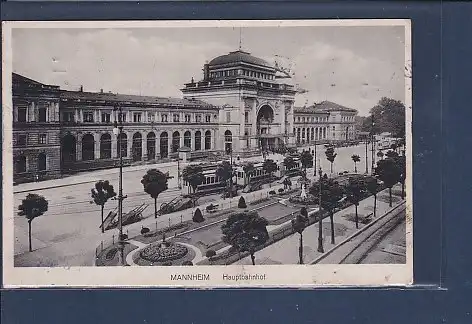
[{"x": 242, "y": 105}]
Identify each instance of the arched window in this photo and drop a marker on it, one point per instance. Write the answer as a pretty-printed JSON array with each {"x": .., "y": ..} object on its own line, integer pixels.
[
  {"x": 164, "y": 145},
  {"x": 88, "y": 147},
  {"x": 137, "y": 146},
  {"x": 207, "y": 140},
  {"x": 20, "y": 164},
  {"x": 198, "y": 141},
  {"x": 175, "y": 141},
  {"x": 228, "y": 142},
  {"x": 188, "y": 139},
  {"x": 105, "y": 146},
  {"x": 312, "y": 134},
  {"x": 42, "y": 162},
  {"x": 123, "y": 142},
  {"x": 151, "y": 146},
  {"x": 68, "y": 148}
]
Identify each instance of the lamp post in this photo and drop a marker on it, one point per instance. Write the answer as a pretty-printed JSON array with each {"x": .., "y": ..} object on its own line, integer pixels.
[
  {"x": 314, "y": 160},
  {"x": 117, "y": 130},
  {"x": 320, "y": 217},
  {"x": 366, "y": 155}
]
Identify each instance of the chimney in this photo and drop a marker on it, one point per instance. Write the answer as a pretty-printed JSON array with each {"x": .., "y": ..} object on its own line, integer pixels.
[
  {"x": 101, "y": 90},
  {"x": 81, "y": 88},
  {"x": 206, "y": 72}
]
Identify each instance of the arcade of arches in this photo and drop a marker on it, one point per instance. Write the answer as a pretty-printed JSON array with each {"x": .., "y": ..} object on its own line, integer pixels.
[{"x": 136, "y": 146}]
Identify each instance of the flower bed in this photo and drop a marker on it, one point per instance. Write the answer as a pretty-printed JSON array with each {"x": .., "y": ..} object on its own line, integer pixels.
[{"x": 163, "y": 252}]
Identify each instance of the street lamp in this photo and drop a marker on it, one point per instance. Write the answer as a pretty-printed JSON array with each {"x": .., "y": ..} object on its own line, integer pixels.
[
  {"x": 320, "y": 217},
  {"x": 117, "y": 130}
]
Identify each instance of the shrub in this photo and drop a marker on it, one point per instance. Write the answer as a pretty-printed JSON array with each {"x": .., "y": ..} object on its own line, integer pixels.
[
  {"x": 168, "y": 263},
  {"x": 124, "y": 237},
  {"x": 210, "y": 207},
  {"x": 187, "y": 263},
  {"x": 272, "y": 192},
  {"x": 197, "y": 216},
  {"x": 210, "y": 254},
  {"x": 304, "y": 212},
  {"x": 144, "y": 230},
  {"x": 242, "y": 203},
  {"x": 281, "y": 190}
]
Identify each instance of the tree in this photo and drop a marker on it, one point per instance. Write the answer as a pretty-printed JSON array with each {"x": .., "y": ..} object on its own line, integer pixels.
[
  {"x": 391, "y": 154},
  {"x": 388, "y": 171},
  {"x": 100, "y": 194},
  {"x": 330, "y": 155},
  {"x": 224, "y": 171},
  {"x": 355, "y": 158},
  {"x": 193, "y": 174},
  {"x": 154, "y": 182},
  {"x": 401, "y": 164},
  {"x": 269, "y": 166},
  {"x": 354, "y": 193},
  {"x": 242, "y": 203},
  {"x": 372, "y": 186},
  {"x": 299, "y": 223},
  {"x": 394, "y": 147},
  {"x": 245, "y": 232},
  {"x": 289, "y": 163},
  {"x": 331, "y": 194},
  {"x": 389, "y": 116},
  {"x": 198, "y": 216},
  {"x": 380, "y": 154},
  {"x": 248, "y": 169},
  {"x": 33, "y": 206},
  {"x": 210, "y": 254},
  {"x": 306, "y": 159}
]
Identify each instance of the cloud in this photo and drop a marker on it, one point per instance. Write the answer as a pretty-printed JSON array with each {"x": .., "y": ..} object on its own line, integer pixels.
[{"x": 158, "y": 64}]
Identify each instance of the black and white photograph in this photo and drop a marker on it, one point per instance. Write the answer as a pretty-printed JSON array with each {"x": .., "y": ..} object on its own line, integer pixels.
[{"x": 207, "y": 153}]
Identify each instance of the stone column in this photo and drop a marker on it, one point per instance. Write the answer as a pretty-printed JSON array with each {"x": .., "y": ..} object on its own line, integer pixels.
[
  {"x": 158, "y": 144},
  {"x": 130, "y": 145},
  {"x": 181, "y": 139},
  {"x": 76, "y": 115},
  {"x": 202, "y": 139},
  {"x": 144, "y": 147},
  {"x": 253, "y": 115},
  {"x": 114, "y": 145},
  {"x": 78, "y": 148},
  {"x": 192, "y": 140},
  {"x": 96, "y": 138}
]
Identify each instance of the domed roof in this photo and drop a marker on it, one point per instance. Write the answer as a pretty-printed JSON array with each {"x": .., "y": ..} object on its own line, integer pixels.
[{"x": 239, "y": 57}]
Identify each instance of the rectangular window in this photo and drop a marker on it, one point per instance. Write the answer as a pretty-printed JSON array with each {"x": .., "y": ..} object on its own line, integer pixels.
[
  {"x": 22, "y": 140},
  {"x": 228, "y": 117},
  {"x": 246, "y": 117},
  {"x": 176, "y": 118},
  {"x": 22, "y": 114},
  {"x": 164, "y": 118},
  {"x": 68, "y": 116},
  {"x": 207, "y": 118},
  {"x": 42, "y": 115},
  {"x": 105, "y": 117},
  {"x": 137, "y": 117},
  {"x": 150, "y": 117},
  {"x": 198, "y": 118},
  {"x": 88, "y": 117},
  {"x": 42, "y": 139},
  {"x": 187, "y": 118}
]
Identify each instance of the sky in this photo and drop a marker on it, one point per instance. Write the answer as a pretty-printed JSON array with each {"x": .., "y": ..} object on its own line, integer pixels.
[{"x": 352, "y": 66}]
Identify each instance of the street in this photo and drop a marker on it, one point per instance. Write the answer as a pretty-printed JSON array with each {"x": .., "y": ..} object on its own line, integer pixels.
[{"x": 71, "y": 224}]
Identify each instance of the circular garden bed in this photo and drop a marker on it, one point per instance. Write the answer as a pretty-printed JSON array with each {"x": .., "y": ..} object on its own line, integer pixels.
[{"x": 164, "y": 254}]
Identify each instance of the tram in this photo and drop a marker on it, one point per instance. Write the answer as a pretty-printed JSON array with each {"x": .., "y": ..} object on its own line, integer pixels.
[{"x": 213, "y": 184}]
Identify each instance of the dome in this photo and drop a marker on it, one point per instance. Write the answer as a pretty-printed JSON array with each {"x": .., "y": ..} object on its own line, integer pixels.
[{"x": 239, "y": 57}]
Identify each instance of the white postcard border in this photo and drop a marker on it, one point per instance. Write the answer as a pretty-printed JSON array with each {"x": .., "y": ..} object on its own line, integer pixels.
[{"x": 319, "y": 275}]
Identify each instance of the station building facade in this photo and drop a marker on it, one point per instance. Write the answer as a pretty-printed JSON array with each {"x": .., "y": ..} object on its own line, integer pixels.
[{"x": 241, "y": 106}]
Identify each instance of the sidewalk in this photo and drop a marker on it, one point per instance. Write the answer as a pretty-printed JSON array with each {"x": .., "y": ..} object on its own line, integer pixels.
[
  {"x": 285, "y": 251},
  {"x": 92, "y": 176}
]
